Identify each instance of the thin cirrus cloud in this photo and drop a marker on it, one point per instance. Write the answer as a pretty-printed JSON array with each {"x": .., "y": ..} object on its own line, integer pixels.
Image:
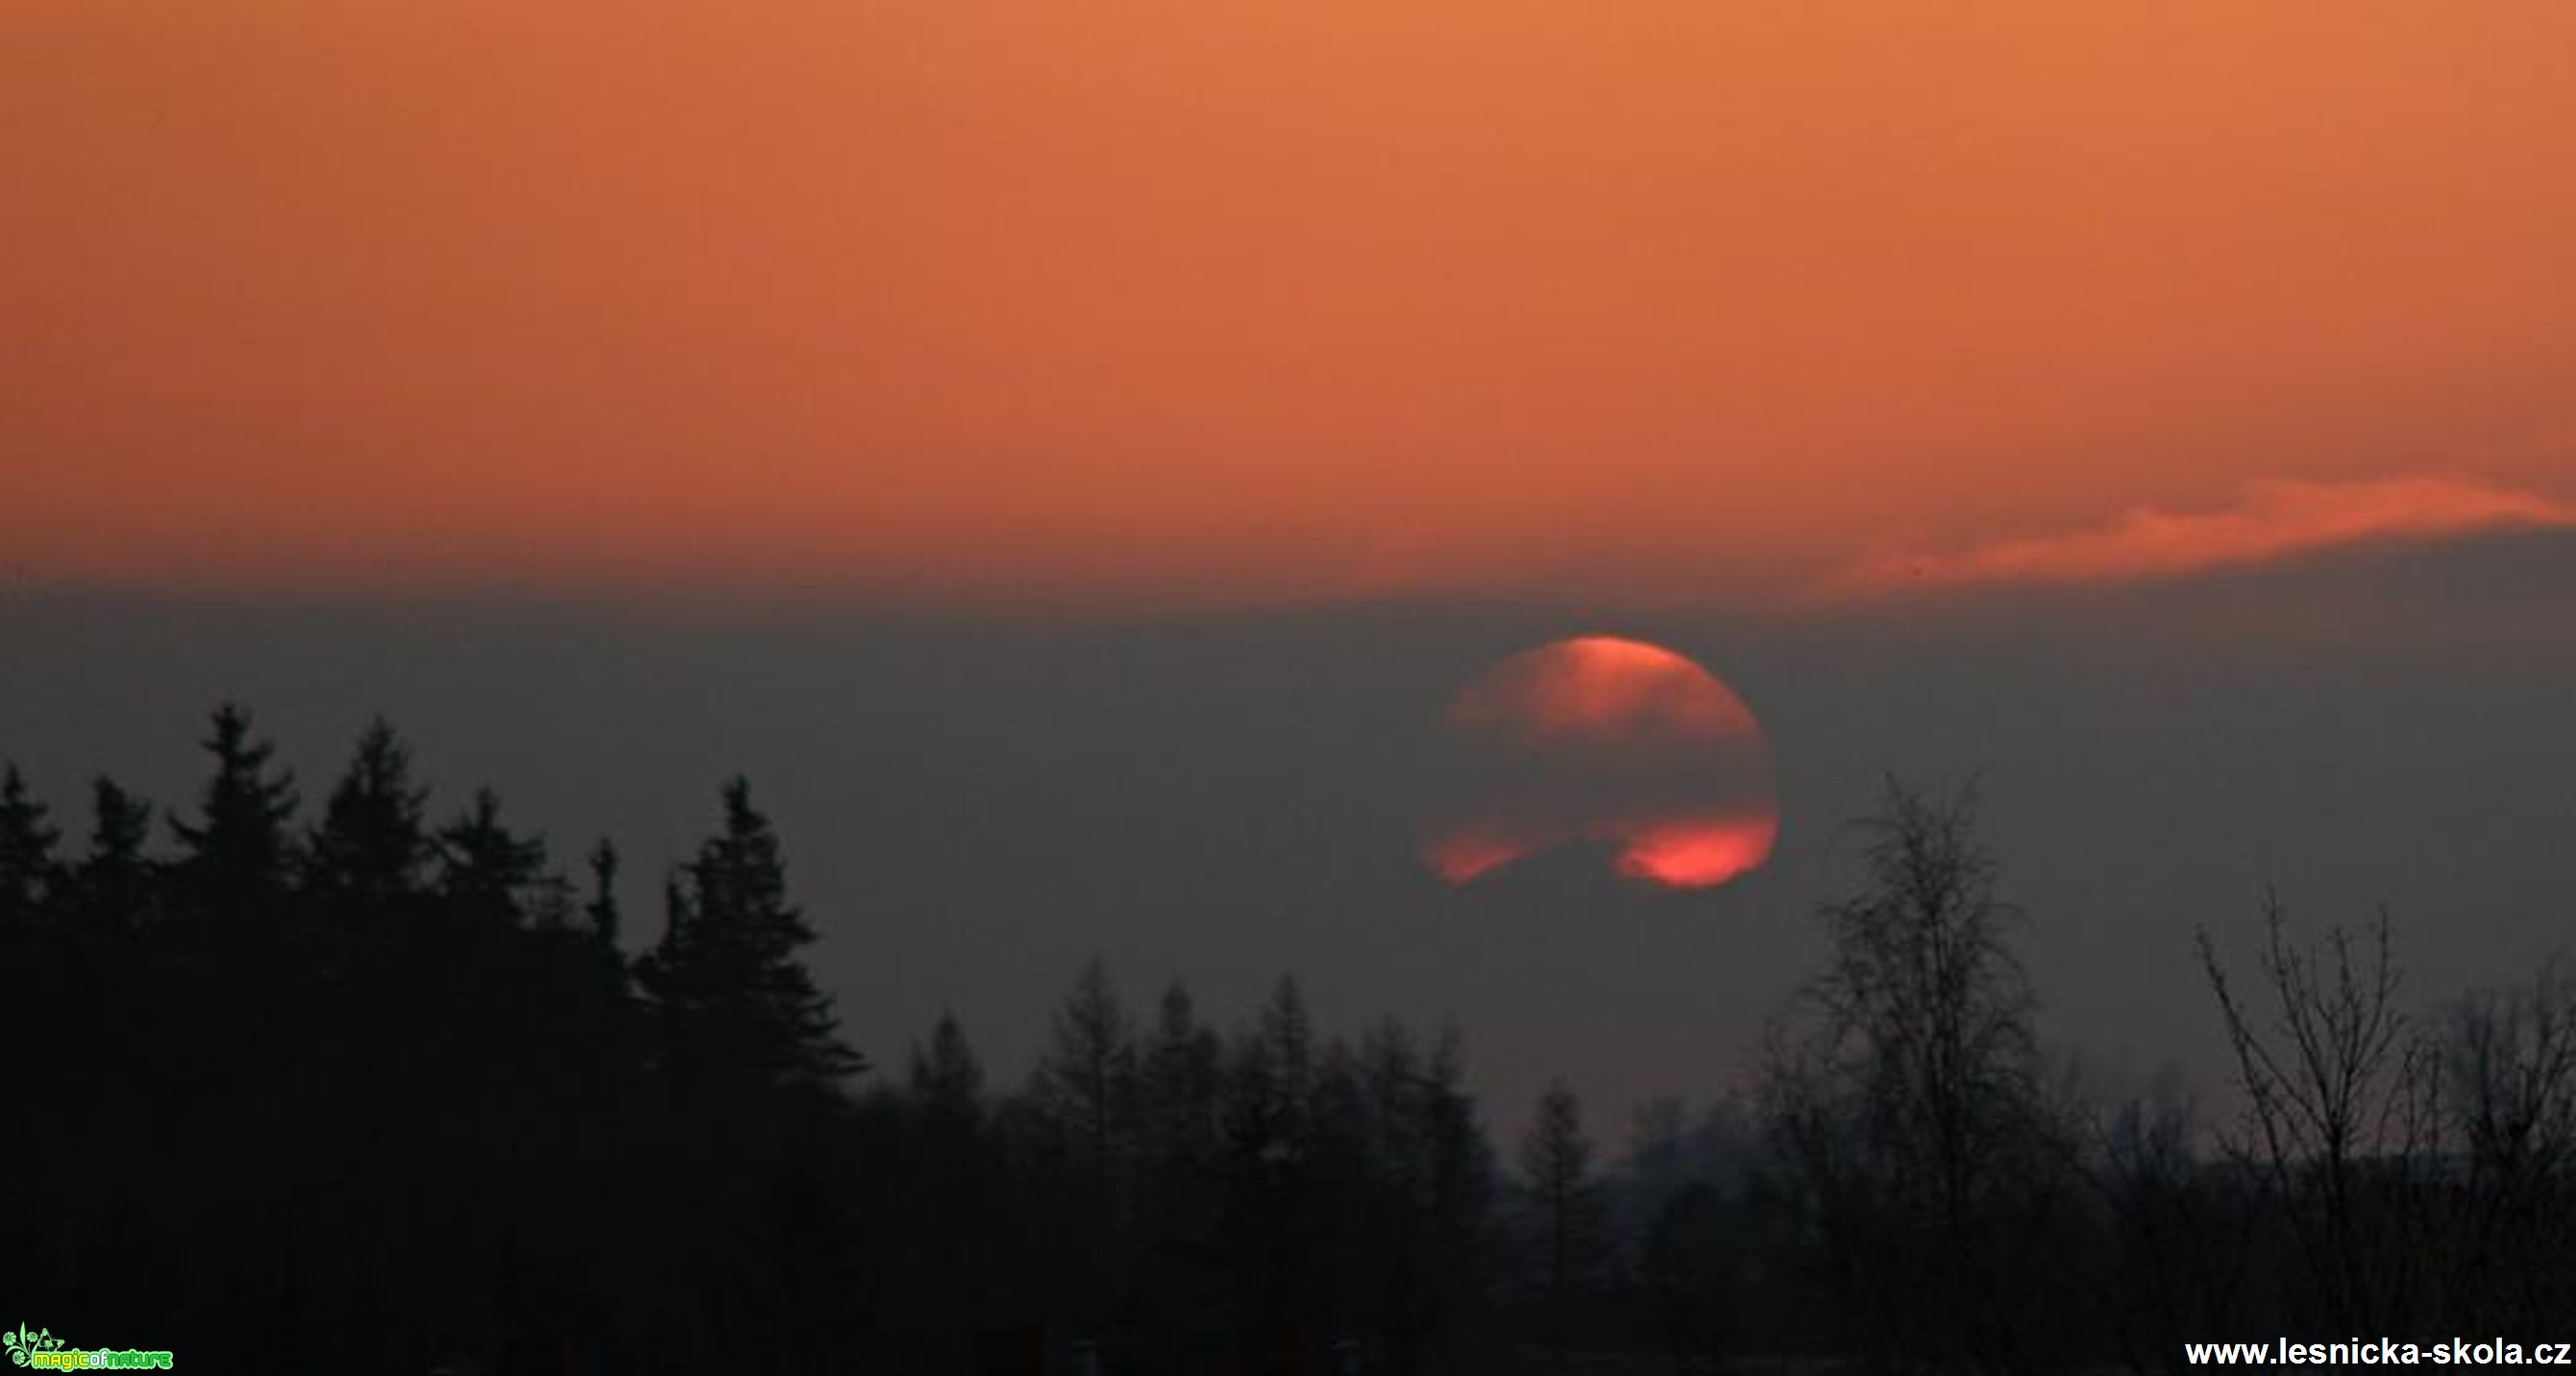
[{"x": 2273, "y": 521}]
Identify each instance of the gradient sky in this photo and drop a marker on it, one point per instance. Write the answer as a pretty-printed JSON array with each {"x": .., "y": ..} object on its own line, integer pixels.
[
  {"x": 1249, "y": 301},
  {"x": 2165, "y": 409}
]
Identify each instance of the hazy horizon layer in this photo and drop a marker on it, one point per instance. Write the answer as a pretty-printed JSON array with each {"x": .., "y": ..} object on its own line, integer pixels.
[{"x": 974, "y": 806}]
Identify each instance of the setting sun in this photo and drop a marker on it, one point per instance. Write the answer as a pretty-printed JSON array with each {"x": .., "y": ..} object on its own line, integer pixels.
[{"x": 1601, "y": 740}]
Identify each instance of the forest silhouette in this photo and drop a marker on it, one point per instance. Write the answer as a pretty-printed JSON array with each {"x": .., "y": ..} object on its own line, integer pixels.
[{"x": 375, "y": 1087}]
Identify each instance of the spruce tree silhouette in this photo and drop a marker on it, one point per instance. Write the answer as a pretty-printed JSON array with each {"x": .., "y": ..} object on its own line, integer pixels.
[
  {"x": 1266, "y": 1111},
  {"x": 602, "y": 910},
  {"x": 371, "y": 846},
  {"x": 485, "y": 869},
  {"x": 1085, "y": 1086},
  {"x": 725, "y": 981},
  {"x": 1178, "y": 1277},
  {"x": 1087, "y": 1080},
  {"x": 112, "y": 888},
  {"x": 954, "y": 1206},
  {"x": 947, "y": 1081},
  {"x": 1183, "y": 1069},
  {"x": 1556, "y": 1169},
  {"x": 237, "y": 858},
  {"x": 1181, "y": 1075},
  {"x": 1459, "y": 1205},
  {"x": 27, "y": 867}
]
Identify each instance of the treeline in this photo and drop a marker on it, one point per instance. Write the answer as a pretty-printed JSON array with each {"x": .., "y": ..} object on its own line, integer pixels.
[
  {"x": 1912, "y": 1185},
  {"x": 383, "y": 1092},
  {"x": 362, "y": 1087}
]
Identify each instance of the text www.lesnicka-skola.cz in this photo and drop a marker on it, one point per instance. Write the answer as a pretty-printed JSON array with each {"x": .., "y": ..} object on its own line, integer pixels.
[{"x": 2382, "y": 1352}]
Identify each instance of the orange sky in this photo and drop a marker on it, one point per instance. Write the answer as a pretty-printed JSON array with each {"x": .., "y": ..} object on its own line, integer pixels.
[{"x": 1252, "y": 299}]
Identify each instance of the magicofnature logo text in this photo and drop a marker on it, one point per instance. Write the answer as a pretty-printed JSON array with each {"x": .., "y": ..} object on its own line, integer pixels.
[{"x": 38, "y": 1347}]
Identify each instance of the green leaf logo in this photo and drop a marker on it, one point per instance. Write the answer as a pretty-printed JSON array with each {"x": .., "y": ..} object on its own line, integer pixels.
[{"x": 26, "y": 1342}]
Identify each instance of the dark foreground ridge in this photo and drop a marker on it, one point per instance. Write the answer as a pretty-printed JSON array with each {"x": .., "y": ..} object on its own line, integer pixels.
[{"x": 363, "y": 1091}]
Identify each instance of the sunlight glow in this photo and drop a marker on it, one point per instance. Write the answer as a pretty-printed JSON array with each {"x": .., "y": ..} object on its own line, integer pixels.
[{"x": 1607, "y": 741}]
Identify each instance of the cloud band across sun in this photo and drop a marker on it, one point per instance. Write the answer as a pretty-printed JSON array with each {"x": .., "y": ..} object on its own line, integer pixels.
[
  {"x": 2273, "y": 521},
  {"x": 1606, "y": 742}
]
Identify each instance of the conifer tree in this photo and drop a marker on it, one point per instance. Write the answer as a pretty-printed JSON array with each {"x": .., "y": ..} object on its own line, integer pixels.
[
  {"x": 1181, "y": 1075},
  {"x": 1087, "y": 1081},
  {"x": 602, "y": 910},
  {"x": 1457, "y": 1237},
  {"x": 1288, "y": 1042},
  {"x": 236, "y": 858},
  {"x": 726, "y": 981},
  {"x": 116, "y": 881},
  {"x": 484, "y": 866},
  {"x": 371, "y": 846},
  {"x": 1180, "y": 1081},
  {"x": 947, "y": 1081},
  {"x": 1556, "y": 1166},
  {"x": 1265, "y": 1110},
  {"x": 1462, "y": 1166},
  {"x": 1085, "y": 1087},
  {"x": 668, "y": 973},
  {"x": 27, "y": 873}
]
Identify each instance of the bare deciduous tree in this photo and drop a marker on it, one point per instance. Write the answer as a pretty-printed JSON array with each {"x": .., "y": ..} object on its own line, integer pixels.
[
  {"x": 2511, "y": 1077},
  {"x": 2341, "y": 1114},
  {"x": 1907, "y": 1101},
  {"x": 2177, "y": 1238}
]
